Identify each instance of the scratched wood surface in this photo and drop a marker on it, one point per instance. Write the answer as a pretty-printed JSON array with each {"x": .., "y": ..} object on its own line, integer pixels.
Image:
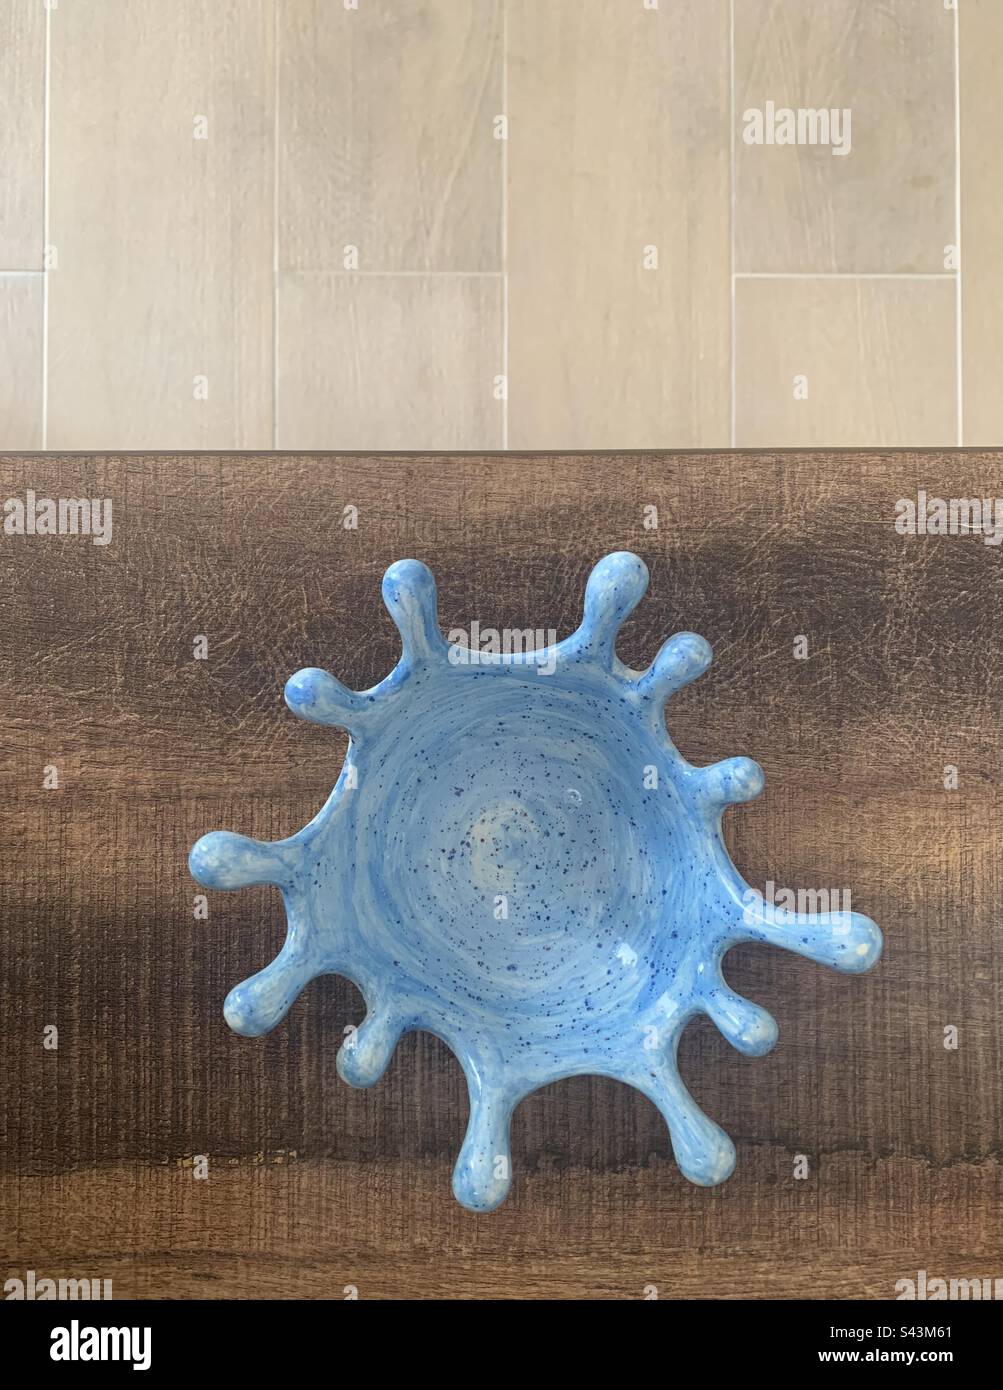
[{"x": 314, "y": 1187}]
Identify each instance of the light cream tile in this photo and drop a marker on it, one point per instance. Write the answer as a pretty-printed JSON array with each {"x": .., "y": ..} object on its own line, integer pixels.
[
  {"x": 165, "y": 241},
  {"x": 981, "y": 34},
  {"x": 386, "y": 134},
  {"x": 22, "y": 133},
  {"x": 389, "y": 361},
  {"x": 20, "y": 362},
  {"x": 878, "y": 356},
  {"x": 619, "y": 141},
  {"x": 888, "y": 205}
]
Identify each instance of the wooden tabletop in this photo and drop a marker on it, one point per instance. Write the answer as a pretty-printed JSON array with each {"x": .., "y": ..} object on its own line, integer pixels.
[{"x": 314, "y": 1188}]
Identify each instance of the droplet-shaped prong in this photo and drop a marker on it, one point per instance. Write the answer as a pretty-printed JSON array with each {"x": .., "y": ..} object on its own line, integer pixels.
[
  {"x": 224, "y": 860},
  {"x": 366, "y": 1052},
  {"x": 749, "y": 1028},
  {"x": 615, "y": 588},
  {"x": 703, "y": 1151},
  {"x": 682, "y": 658},
  {"x": 846, "y": 941},
  {"x": 730, "y": 782},
  {"x": 409, "y": 594},
  {"x": 483, "y": 1172},
  {"x": 257, "y": 1004},
  {"x": 317, "y": 696}
]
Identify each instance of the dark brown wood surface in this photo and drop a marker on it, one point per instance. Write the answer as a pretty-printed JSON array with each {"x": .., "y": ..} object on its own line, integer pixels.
[{"x": 314, "y": 1187}]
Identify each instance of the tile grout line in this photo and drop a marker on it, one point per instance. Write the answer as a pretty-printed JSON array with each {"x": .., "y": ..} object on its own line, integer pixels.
[
  {"x": 845, "y": 275},
  {"x": 959, "y": 301},
  {"x": 734, "y": 278},
  {"x": 275, "y": 230},
  {"x": 504, "y": 220},
  {"x": 47, "y": 84},
  {"x": 414, "y": 274}
]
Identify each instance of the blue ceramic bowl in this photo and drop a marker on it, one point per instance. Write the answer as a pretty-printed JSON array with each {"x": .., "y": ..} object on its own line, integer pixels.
[{"x": 517, "y": 859}]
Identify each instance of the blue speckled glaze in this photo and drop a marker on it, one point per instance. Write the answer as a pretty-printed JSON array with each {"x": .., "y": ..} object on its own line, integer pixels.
[{"x": 523, "y": 864}]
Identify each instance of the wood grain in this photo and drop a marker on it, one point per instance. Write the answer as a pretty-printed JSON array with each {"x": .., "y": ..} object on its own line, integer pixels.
[
  {"x": 619, "y": 144},
  {"x": 888, "y": 205},
  {"x": 878, "y": 355},
  {"x": 21, "y": 315},
  {"x": 314, "y": 1186},
  {"x": 386, "y": 134},
  {"x": 22, "y": 135},
  {"x": 164, "y": 240}
]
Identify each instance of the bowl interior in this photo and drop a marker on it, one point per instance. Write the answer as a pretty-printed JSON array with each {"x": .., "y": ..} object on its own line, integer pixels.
[{"x": 520, "y": 846}]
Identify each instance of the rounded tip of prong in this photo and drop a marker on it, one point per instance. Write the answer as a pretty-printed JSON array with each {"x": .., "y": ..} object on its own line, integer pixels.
[
  {"x": 366, "y": 1052},
  {"x": 410, "y": 575},
  {"x": 703, "y": 1151},
  {"x": 709, "y": 1163},
  {"x": 477, "y": 1185},
  {"x": 686, "y": 655},
  {"x": 756, "y": 1032},
  {"x": 683, "y": 658},
  {"x": 843, "y": 940},
  {"x": 619, "y": 580},
  {"x": 733, "y": 781},
  {"x": 224, "y": 860},
  {"x": 759, "y": 1036},
  {"x": 410, "y": 597},
  {"x": 614, "y": 589},
  {"x": 317, "y": 696},
  {"x": 241, "y": 1015},
  {"x": 357, "y": 1069},
  {"x": 483, "y": 1173},
  {"x": 748, "y": 1027},
  {"x": 302, "y": 689},
  {"x": 747, "y": 779},
  {"x": 203, "y": 860},
  {"x": 861, "y": 946}
]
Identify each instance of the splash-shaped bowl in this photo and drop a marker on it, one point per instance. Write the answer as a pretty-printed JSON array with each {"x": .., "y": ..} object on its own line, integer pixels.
[{"x": 517, "y": 859}]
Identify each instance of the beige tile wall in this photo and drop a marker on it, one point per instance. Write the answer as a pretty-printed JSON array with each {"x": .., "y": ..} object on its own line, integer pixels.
[
  {"x": 160, "y": 311},
  {"x": 618, "y": 160},
  {"x": 497, "y": 223},
  {"x": 21, "y": 368},
  {"x": 981, "y": 153},
  {"x": 22, "y": 134}
]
